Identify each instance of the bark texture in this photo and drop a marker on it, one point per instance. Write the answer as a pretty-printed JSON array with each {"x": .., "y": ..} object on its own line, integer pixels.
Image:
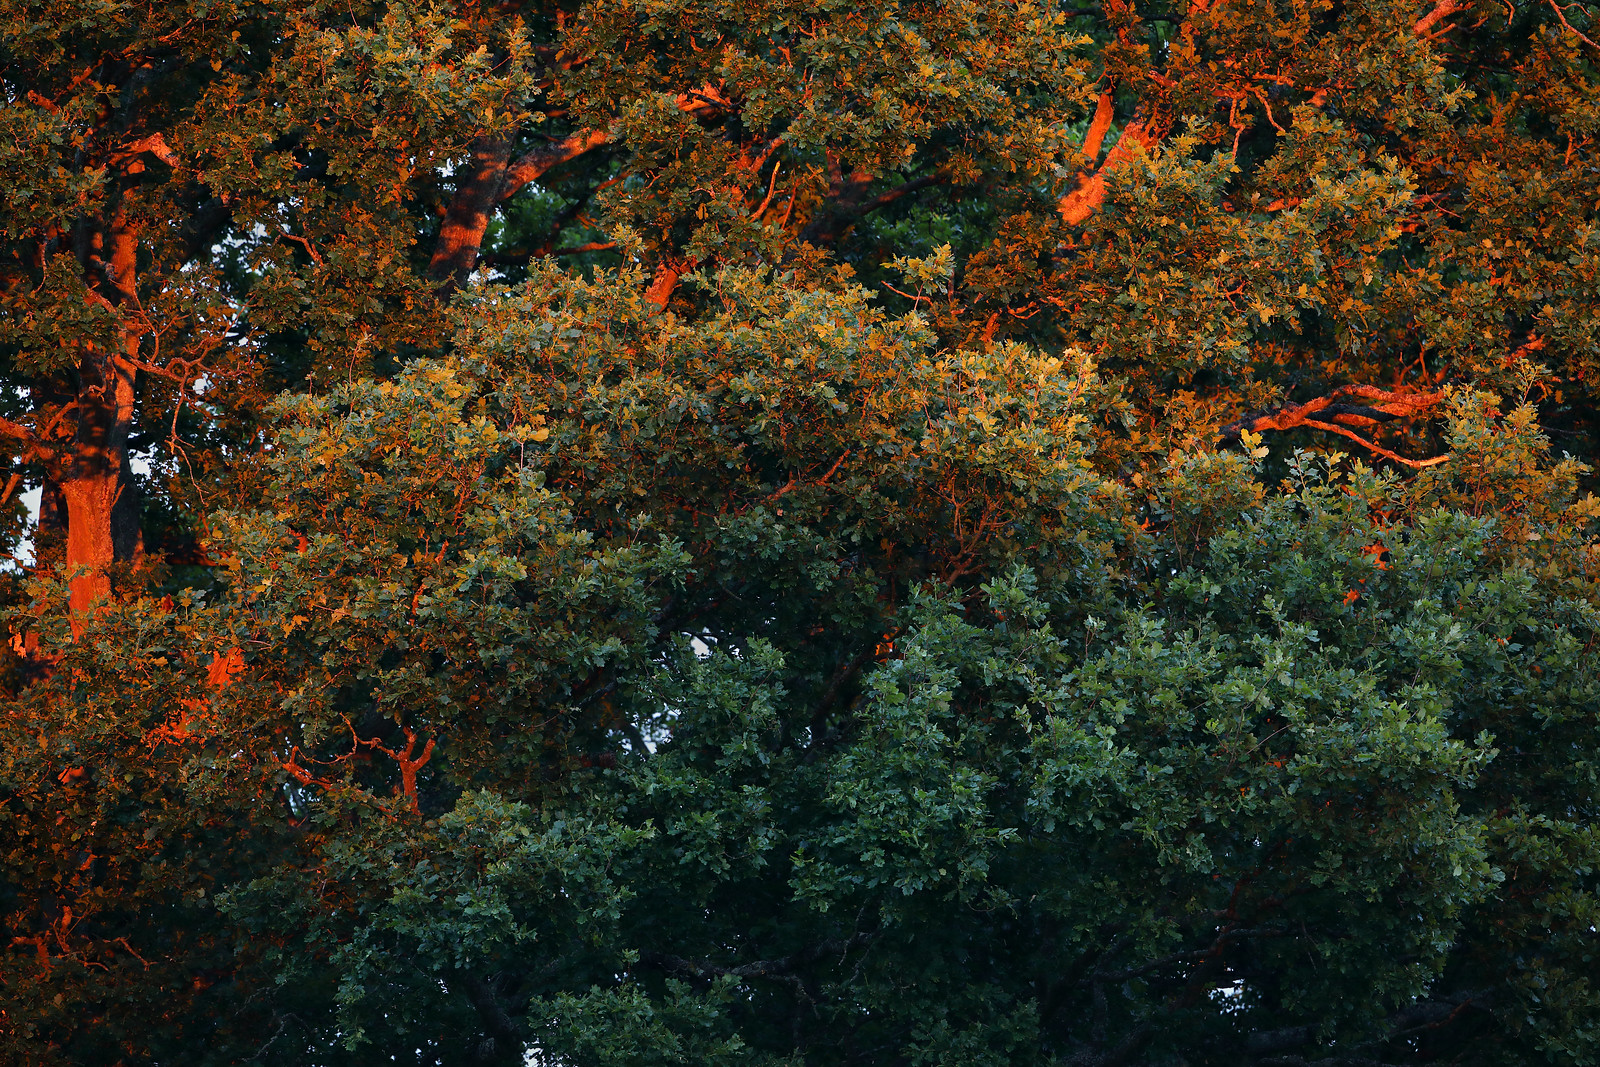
[{"x": 467, "y": 217}]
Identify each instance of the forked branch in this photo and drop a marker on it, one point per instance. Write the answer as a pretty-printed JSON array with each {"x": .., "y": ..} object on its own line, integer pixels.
[{"x": 1078, "y": 205}]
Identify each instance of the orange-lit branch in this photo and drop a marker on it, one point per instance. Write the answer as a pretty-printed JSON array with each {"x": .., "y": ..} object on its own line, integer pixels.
[
  {"x": 1336, "y": 413},
  {"x": 408, "y": 761},
  {"x": 1143, "y": 132},
  {"x": 1098, "y": 126},
  {"x": 1443, "y": 10},
  {"x": 1083, "y": 201}
]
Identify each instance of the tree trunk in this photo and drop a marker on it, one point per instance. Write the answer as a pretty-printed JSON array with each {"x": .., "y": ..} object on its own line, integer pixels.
[
  {"x": 467, "y": 217},
  {"x": 94, "y": 479},
  {"x": 90, "y": 498}
]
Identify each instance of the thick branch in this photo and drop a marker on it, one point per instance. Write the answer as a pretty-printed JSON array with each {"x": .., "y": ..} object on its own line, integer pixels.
[
  {"x": 778, "y": 970},
  {"x": 1085, "y": 200},
  {"x": 126, "y": 157},
  {"x": 532, "y": 167},
  {"x": 665, "y": 283},
  {"x": 1443, "y": 10},
  {"x": 1096, "y": 135},
  {"x": 507, "y": 1034},
  {"x": 517, "y": 257},
  {"x": 1223, "y": 939},
  {"x": 204, "y": 226},
  {"x": 573, "y": 211},
  {"x": 1325, "y": 412},
  {"x": 17, "y": 432},
  {"x": 488, "y": 179}
]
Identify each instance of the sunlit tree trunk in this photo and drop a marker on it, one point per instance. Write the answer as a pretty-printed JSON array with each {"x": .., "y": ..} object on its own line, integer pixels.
[
  {"x": 467, "y": 217},
  {"x": 92, "y": 470}
]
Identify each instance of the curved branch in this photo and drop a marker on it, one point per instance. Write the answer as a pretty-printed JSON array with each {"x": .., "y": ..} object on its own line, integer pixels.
[
  {"x": 489, "y": 178},
  {"x": 532, "y": 166},
  {"x": 1562, "y": 15}
]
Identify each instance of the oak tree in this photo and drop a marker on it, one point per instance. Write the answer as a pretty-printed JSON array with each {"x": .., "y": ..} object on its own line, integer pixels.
[{"x": 642, "y": 533}]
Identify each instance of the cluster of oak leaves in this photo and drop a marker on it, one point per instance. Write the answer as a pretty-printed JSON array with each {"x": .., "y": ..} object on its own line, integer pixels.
[{"x": 730, "y": 644}]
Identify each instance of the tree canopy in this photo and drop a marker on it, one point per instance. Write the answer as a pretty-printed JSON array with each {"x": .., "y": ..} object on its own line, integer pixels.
[{"x": 628, "y": 534}]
